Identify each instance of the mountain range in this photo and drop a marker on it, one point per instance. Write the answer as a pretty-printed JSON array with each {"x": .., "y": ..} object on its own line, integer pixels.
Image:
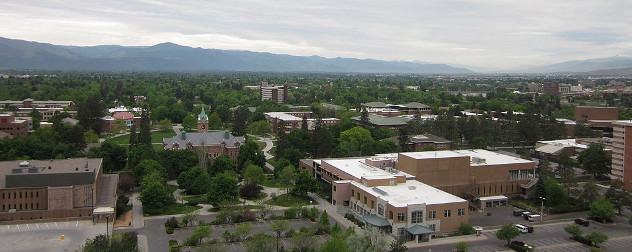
[{"x": 20, "y": 54}]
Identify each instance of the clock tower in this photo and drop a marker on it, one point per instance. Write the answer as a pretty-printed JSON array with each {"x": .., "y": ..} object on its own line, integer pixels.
[{"x": 202, "y": 123}]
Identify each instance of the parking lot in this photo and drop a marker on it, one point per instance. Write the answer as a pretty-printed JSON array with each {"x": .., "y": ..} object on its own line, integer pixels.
[{"x": 47, "y": 236}]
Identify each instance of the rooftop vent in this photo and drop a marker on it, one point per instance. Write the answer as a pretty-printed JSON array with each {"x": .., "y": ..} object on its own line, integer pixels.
[
  {"x": 76, "y": 168},
  {"x": 25, "y": 164},
  {"x": 16, "y": 170},
  {"x": 183, "y": 136},
  {"x": 33, "y": 170},
  {"x": 412, "y": 187},
  {"x": 226, "y": 135}
]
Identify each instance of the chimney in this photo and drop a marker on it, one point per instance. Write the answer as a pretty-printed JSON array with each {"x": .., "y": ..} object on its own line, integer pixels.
[
  {"x": 226, "y": 135},
  {"x": 183, "y": 136}
]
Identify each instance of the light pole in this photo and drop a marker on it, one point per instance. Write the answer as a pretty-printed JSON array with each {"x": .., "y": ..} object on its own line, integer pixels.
[{"x": 542, "y": 209}]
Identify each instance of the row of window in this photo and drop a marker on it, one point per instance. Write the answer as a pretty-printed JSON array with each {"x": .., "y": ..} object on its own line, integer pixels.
[
  {"x": 17, "y": 195},
  {"x": 25, "y": 206}
]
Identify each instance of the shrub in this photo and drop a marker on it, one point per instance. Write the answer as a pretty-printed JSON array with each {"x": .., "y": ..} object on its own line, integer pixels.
[
  {"x": 172, "y": 223},
  {"x": 290, "y": 213},
  {"x": 466, "y": 229},
  {"x": 524, "y": 248},
  {"x": 169, "y": 230}
]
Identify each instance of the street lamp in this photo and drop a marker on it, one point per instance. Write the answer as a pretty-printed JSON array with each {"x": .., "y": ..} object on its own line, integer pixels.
[{"x": 542, "y": 209}]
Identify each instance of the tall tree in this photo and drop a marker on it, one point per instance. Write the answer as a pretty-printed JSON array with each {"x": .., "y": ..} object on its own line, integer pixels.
[
  {"x": 223, "y": 190},
  {"x": 322, "y": 140},
  {"x": 507, "y": 233},
  {"x": 144, "y": 135},
  {"x": 595, "y": 160},
  {"x": 618, "y": 196},
  {"x": 602, "y": 209},
  {"x": 240, "y": 121},
  {"x": 304, "y": 183},
  {"x": 304, "y": 125},
  {"x": 114, "y": 156},
  {"x": 89, "y": 112}
]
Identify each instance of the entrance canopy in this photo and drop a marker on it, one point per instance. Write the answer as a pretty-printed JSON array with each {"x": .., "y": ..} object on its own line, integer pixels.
[
  {"x": 488, "y": 198},
  {"x": 418, "y": 230},
  {"x": 376, "y": 221}
]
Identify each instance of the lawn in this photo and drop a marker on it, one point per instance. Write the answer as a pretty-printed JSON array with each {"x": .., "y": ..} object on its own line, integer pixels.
[
  {"x": 173, "y": 209},
  {"x": 271, "y": 182},
  {"x": 156, "y": 137},
  {"x": 286, "y": 200},
  {"x": 261, "y": 144}
]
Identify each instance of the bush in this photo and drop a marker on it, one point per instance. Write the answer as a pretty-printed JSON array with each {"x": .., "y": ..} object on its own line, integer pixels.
[
  {"x": 169, "y": 230},
  {"x": 174, "y": 246},
  {"x": 290, "y": 213},
  {"x": 352, "y": 218},
  {"x": 172, "y": 223},
  {"x": 582, "y": 240},
  {"x": 193, "y": 202},
  {"x": 466, "y": 229}
]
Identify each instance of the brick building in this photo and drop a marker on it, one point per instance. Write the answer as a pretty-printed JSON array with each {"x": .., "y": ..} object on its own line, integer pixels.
[
  {"x": 589, "y": 113},
  {"x": 56, "y": 188},
  {"x": 13, "y": 126},
  {"x": 275, "y": 93},
  {"x": 294, "y": 120},
  {"x": 622, "y": 153},
  {"x": 30, "y": 103}
]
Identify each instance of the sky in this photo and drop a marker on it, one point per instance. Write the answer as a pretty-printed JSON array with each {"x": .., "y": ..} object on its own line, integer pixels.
[{"x": 495, "y": 34}]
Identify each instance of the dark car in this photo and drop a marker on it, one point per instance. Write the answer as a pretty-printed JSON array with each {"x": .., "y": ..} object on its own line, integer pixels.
[
  {"x": 582, "y": 222},
  {"x": 519, "y": 243},
  {"x": 526, "y": 214},
  {"x": 518, "y": 212}
]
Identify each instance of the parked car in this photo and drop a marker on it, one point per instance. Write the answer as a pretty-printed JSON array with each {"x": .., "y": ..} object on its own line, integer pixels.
[
  {"x": 582, "y": 222},
  {"x": 518, "y": 212},
  {"x": 525, "y": 215},
  {"x": 534, "y": 217},
  {"x": 519, "y": 243},
  {"x": 527, "y": 227}
]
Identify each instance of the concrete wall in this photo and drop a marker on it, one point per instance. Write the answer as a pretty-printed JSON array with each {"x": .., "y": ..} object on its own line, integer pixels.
[
  {"x": 23, "y": 199},
  {"x": 60, "y": 198},
  {"x": 585, "y": 113},
  {"x": 50, "y": 214}
]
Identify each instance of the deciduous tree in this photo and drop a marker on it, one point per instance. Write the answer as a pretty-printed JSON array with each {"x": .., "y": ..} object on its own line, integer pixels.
[{"x": 507, "y": 233}]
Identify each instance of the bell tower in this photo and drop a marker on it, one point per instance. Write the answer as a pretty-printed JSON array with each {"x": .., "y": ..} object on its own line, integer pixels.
[{"x": 202, "y": 123}]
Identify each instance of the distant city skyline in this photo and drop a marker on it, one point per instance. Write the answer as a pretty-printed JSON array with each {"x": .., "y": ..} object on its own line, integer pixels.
[{"x": 490, "y": 34}]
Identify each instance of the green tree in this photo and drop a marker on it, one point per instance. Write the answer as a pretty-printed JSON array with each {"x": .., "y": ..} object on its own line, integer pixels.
[
  {"x": 573, "y": 230},
  {"x": 597, "y": 238},
  {"x": 125, "y": 242},
  {"x": 222, "y": 163},
  {"x": 89, "y": 112},
  {"x": 114, "y": 156},
  {"x": 250, "y": 152},
  {"x": 371, "y": 240},
  {"x": 589, "y": 193},
  {"x": 279, "y": 227},
  {"x": 618, "y": 196},
  {"x": 164, "y": 125},
  {"x": 556, "y": 195},
  {"x": 304, "y": 183},
  {"x": 194, "y": 181},
  {"x": 462, "y": 246},
  {"x": 144, "y": 134},
  {"x": 335, "y": 245},
  {"x": 287, "y": 177},
  {"x": 323, "y": 222},
  {"x": 240, "y": 121},
  {"x": 37, "y": 118},
  {"x": 303, "y": 242},
  {"x": 322, "y": 140},
  {"x": 153, "y": 196},
  {"x": 199, "y": 233},
  {"x": 189, "y": 122},
  {"x": 260, "y": 243},
  {"x": 398, "y": 244},
  {"x": 145, "y": 167},
  {"x": 253, "y": 174},
  {"x": 223, "y": 190},
  {"x": 507, "y": 233},
  {"x": 595, "y": 160},
  {"x": 358, "y": 141},
  {"x": 214, "y": 121},
  {"x": 259, "y": 128},
  {"x": 466, "y": 229},
  {"x": 602, "y": 209}
]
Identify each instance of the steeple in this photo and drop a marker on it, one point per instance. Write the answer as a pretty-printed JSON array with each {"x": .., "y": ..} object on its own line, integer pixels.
[{"x": 202, "y": 121}]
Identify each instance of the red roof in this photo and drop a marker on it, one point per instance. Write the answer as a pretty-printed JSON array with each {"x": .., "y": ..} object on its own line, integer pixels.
[{"x": 123, "y": 115}]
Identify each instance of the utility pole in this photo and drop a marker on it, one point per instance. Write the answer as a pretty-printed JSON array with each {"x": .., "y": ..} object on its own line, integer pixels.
[{"x": 542, "y": 209}]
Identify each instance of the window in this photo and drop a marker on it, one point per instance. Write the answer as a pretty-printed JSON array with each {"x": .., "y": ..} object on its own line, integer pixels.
[
  {"x": 432, "y": 214},
  {"x": 380, "y": 209},
  {"x": 447, "y": 213},
  {"x": 433, "y": 227},
  {"x": 461, "y": 211},
  {"x": 416, "y": 217},
  {"x": 401, "y": 217},
  {"x": 365, "y": 200},
  {"x": 358, "y": 198},
  {"x": 372, "y": 204},
  {"x": 400, "y": 231},
  {"x": 334, "y": 188},
  {"x": 352, "y": 192},
  {"x": 390, "y": 215}
]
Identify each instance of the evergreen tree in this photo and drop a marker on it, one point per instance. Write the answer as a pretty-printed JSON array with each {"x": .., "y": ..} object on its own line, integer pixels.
[
  {"x": 144, "y": 136},
  {"x": 322, "y": 140},
  {"x": 304, "y": 125},
  {"x": 89, "y": 112}
]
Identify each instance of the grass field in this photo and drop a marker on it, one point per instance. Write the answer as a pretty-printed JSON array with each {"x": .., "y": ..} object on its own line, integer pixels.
[
  {"x": 286, "y": 200},
  {"x": 174, "y": 209},
  {"x": 156, "y": 137}
]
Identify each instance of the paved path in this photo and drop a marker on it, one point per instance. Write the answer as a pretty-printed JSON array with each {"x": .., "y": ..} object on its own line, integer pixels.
[
  {"x": 332, "y": 211},
  {"x": 269, "y": 144}
]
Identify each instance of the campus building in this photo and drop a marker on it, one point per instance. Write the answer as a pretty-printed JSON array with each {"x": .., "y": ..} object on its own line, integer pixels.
[
  {"x": 622, "y": 153},
  {"x": 294, "y": 120},
  {"x": 213, "y": 144},
  {"x": 389, "y": 199},
  {"x": 30, "y": 103},
  {"x": 14, "y": 126},
  {"x": 56, "y": 188},
  {"x": 275, "y": 93}
]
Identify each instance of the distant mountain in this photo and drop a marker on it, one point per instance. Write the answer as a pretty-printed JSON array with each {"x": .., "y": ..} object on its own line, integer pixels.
[
  {"x": 584, "y": 65},
  {"x": 619, "y": 71},
  {"x": 19, "y": 54}
]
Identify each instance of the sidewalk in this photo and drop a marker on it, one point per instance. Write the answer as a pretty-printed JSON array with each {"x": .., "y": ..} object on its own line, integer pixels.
[
  {"x": 332, "y": 211},
  {"x": 447, "y": 240}
]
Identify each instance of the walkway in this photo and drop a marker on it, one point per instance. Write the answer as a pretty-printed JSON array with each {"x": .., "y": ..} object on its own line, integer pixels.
[
  {"x": 269, "y": 144},
  {"x": 332, "y": 211}
]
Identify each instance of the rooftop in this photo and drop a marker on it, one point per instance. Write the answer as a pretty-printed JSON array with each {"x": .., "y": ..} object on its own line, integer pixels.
[
  {"x": 477, "y": 157},
  {"x": 204, "y": 138},
  {"x": 283, "y": 116},
  {"x": 357, "y": 168},
  {"x": 385, "y": 120},
  {"x": 623, "y": 122},
  {"x": 412, "y": 192},
  {"x": 52, "y": 166}
]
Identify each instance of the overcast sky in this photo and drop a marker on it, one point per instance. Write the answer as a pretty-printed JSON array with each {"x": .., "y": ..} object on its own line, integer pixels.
[{"x": 486, "y": 33}]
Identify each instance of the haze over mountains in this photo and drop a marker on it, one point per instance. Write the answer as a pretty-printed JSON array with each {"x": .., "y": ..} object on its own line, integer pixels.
[{"x": 20, "y": 54}]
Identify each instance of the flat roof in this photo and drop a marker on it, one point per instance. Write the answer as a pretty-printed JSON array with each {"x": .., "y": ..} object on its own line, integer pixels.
[
  {"x": 477, "y": 157},
  {"x": 623, "y": 122},
  {"x": 358, "y": 169},
  {"x": 57, "y": 166},
  {"x": 283, "y": 116},
  {"x": 412, "y": 192},
  {"x": 497, "y": 197}
]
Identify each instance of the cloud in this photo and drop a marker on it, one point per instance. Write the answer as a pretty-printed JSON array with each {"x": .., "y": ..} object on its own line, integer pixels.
[{"x": 493, "y": 33}]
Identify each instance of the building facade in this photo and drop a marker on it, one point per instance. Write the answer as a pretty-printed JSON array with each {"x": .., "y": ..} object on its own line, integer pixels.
[
  {"x": 30, "y": 103},
  {"x": 589, "y": 113},
  {"x": 294, "y": 120},
  {"x": 57, "y": 188},
  {"x": 13, "y": 126},
  {"x": 622, "y": 153},
  {"x": 275, "y": 93}
]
